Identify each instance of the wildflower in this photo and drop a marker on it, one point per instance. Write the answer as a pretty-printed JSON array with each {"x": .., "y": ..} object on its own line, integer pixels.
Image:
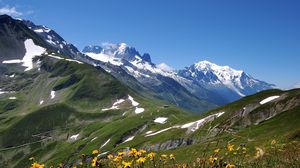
[
  {"x": 163, "y": 157},
  {"x": 212, "y": 159},
  {"x": 141, "y": 160},
  {"x": 95, "y": 152},
  {"x": 230, "y": 165},
  {"x": 217, "y": 150},
  {"x": 133, "y": 152},
  {"x": 230, "y": 147},
  {"x": 172, "y": 157},
  {"x": 142, "y": 151},
  {"x": 273, "y": 142},
  {"x": 117, "y": 158},
  {"x": 151, "y": 155},
  {"x": 94, "y": 162},
  {"x": 121, "y": 154},
  {"x": 31, "y": 158},
  {"x": 37, "y": 165},
  {"x": 259, "y": 153},
  {"x": 127, "y": 164},
  {"x": 83, "y": 155},
  {"x": 110, "y": 156}
]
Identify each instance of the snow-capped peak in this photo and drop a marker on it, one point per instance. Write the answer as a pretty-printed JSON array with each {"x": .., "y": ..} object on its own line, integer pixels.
[{"x": 206, "y": 65}]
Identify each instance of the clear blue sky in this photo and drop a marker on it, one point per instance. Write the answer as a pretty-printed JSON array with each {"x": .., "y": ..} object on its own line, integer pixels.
[{"x": 261, "y": 37}]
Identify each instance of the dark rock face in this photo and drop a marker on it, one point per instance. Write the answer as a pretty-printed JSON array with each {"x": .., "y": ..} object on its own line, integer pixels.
[
  {"x": 12, "y": 38},
  {"x": 170, "y": 144}
]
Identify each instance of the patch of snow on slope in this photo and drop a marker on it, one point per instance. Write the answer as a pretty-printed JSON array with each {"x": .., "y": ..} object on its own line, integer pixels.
[
  {"x": 41, "y": 102},
  {"x": 163, "y": 130},
  {"x": 105, "y": 58},
  {"x": 56, "y": 57},
  {"x": 12, "y": 98},
  {"x": 14, "y": 61},
  {"x": 193, "y": 126},
  {"x": 266, "y": 100},
  {"x": 94, "y": 139},
  {"x": 139, "y": 110},
  {"x": 115, "y": 105},
  {"x": 32, "y": 50},
  {"x": 74, "y": 137},
  {"x": 52, "y": 94},
  {"x": 72, "y": 60},
  {"x": 161, "y": 120},
  {"x": 105, "y": 143},
  {"x": 129, "y": 139},
  {"x": 133, "y": 102},
  {"x": 149, "y": 132}
]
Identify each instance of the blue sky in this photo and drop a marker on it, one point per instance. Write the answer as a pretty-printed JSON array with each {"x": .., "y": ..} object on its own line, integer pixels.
[{"x": 261, "y": 37}]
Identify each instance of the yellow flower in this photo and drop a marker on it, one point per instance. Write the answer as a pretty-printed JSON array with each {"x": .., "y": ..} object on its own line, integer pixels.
[
  {"x": 230, "y": 165},
  {"x": 31, "y": 158},
  {"x": 121, "y": 154},
  {"x": 94, "y": 162},
  {"x": 172, "y": 157},
  {"x": 141, "y": 160},
  {"x": 142, "y": 151},
  {"x": 259, "y": 153},
  {"x": 37, "y": 165},
  {"x": 217, "y": 150},
  {"x": 133, "y": 152},
  {"x": 110, "y": 156},
  {"x": 117, "y": 158},
  {"x": 163, "y": 157},
  {"x": 273, "y": 142},
  {"x": 95, "y": 152},
  {"x": 127, "y": 164},
  {"x": 230, "y": 147},
  {"x": 212, "y": 159},
  {"x": 151, "y": 155}
]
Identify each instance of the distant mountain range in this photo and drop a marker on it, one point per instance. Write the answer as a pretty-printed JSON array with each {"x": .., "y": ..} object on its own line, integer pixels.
[{"x": 206, "y": 80}]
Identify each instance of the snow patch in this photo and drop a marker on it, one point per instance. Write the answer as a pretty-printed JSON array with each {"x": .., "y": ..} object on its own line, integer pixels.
[
  {"x": 129, "y": 139},
  {"x": 266, "y": 100},
  {"x": 139, "y": 110},
  {"x": 74, "y": 137},
  {"x": 94, "y": 139},
  {"x": 14, "y": 61},
  {"x": 12, "y": 98},
  {"x": 163, "y": 130},
  {"x": 149, "y": 132},
  {"x": 133, "y": 102},
  {"x": 115, "y": 105},
  {"x": 105, "y": 143},
  {"x": 193, "y": 126},
  {"x": 105, "y": 58},
  {"x": 41, "y": 102},
  {"x": 52, "y": 94},
  {"x": 72, "y": 60},
  {"x": 32, "y": 50},
  {"x": 161, "y": 120}
]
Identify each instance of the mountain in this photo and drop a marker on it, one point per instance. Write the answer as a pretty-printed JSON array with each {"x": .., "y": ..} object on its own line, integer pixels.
[
  {"x": 206, "y": 80},
  {"x": 229, "y": 83},
  {"x": 164, "y": 84}
]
